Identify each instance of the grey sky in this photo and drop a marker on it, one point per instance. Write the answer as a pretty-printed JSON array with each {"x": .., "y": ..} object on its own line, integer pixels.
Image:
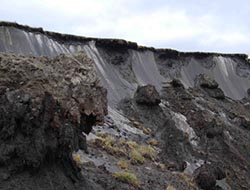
[{"x": 193, "y": 25}]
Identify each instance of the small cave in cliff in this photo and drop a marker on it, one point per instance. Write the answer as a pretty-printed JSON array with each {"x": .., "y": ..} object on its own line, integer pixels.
[{"x": 87, "y": 121}]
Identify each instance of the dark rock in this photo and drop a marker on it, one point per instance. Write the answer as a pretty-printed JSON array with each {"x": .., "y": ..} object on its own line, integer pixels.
[
  {"x": 205, "y": 177},
  {"x": 147, "y": 95},
  {"x": 183, "y": 166},
  {"x": 205, "y": 81},
  {"x": 207, "y": 174},
  {"x": 214, "y": 132},
  {"x": 216, "y": 93},
  {"x": 177, "y": 83}
]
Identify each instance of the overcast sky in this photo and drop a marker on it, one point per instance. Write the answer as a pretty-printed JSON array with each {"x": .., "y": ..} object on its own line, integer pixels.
[{"x": 187, "y": 25}]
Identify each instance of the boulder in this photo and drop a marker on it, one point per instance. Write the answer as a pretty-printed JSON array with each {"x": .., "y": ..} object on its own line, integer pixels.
[
  {"x": 147, "y": 95},
  {"x": 205, "y": 81},
  {"x": 177, "y": 83},
  {"x": 216, "y": 93},
  {"x": 214, "y": 132},
  {"x": 210, "y": 86},
  {"x": 206, "y": 176}
]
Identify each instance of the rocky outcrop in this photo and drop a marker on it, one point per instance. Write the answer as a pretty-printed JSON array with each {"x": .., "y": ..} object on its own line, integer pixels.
[
  {"x": 210, "y": 86},
  {"x": 147, "y": 95},
  {"x": 45, "y": 105}
]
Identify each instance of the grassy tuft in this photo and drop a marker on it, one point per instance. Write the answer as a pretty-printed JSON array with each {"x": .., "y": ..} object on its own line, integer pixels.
[
  {"x": 160, "y": 165},
  {"x": 140, "y": 126},
  {"x": 131, "y": 144},
  {"x": 126, "y": 177},
  {"x": 147, "y": 151},
  {"x": 109, "y": 144},
  {"x": 170, "y": 187},
  {"x": 101, "y": 134},
  {"x": 77, "y": 158},
  {"x": 188, "y": 179},
  {"x": 130, "y": 149},
  {"x": 123, "y": 164},
  {"x": 136, "y": 157}
]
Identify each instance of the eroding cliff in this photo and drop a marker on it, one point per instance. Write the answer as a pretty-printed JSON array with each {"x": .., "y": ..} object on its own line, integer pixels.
[
  {"x": 122, "y": 65},
  {"x": 174, "y": 120},
  {"x": 46, "y": 105}
]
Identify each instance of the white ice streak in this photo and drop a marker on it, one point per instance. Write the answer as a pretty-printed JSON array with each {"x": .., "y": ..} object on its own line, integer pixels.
[{"x": 181, "y": 123}]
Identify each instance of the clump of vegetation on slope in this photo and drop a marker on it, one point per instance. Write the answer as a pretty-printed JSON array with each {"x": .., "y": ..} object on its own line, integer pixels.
[
  {"x": 137, "y": 153},
  {"x": 126, "y": 177}
]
